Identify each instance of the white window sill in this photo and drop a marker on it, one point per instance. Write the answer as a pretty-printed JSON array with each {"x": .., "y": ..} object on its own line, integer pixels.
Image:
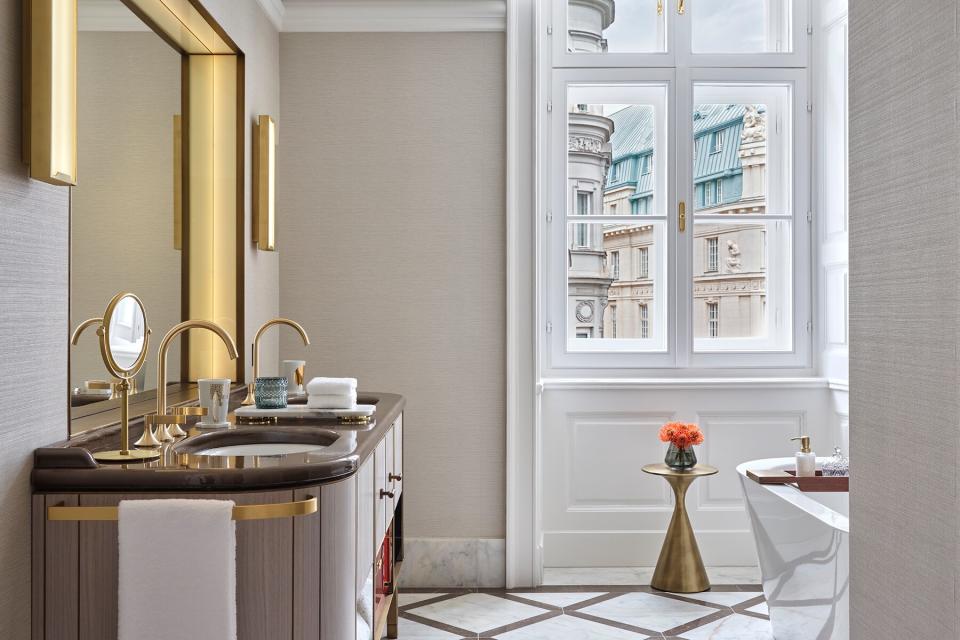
[{"x": 617, "y": 384}]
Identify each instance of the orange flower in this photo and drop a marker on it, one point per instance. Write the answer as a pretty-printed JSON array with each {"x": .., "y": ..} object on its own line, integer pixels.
[{"x": 681, "y": 435}]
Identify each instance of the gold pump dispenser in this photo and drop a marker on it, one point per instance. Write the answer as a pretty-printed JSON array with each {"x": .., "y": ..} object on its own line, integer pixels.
[{"x": 804, "y": 443}]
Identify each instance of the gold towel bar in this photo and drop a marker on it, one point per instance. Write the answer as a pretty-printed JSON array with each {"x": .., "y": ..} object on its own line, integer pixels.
[{"x": 240, "y": 512}]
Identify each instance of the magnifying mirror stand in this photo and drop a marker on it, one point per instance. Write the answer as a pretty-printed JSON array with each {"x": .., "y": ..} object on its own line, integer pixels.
[
  {"x": 127, "y": 310},
  {"x": 125, "y": 453}
]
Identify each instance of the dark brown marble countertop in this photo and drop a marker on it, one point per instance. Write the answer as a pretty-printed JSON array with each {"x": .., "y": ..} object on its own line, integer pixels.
[{"x": 67, "y": 467}]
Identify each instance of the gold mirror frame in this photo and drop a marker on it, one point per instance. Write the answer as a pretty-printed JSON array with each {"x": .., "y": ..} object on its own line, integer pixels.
[
  {"x": 212, "y": 187},
  {"x": 104, "y": 332}
]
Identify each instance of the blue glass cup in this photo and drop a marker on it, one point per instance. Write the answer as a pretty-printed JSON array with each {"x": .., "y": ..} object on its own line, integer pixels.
[{"x": 271, "y": 393}]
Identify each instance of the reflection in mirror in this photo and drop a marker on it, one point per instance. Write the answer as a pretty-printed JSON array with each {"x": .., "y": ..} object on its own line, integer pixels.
[
  {"x": 127, "y": 332},
  {"x": 122, "y": 210}
]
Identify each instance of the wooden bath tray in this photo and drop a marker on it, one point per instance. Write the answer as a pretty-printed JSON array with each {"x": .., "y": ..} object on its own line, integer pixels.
[{"x": 818, "y": 482}]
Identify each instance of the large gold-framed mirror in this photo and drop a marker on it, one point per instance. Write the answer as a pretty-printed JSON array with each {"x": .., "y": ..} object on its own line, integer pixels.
[{"x": 157, "y": 206}]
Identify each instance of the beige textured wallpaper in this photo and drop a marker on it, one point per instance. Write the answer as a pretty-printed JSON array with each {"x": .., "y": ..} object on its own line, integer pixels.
[
  {"x": 391, "y": 235},
  {"x": 33, "y": 332},
  {"x": 904, "y": 319}
]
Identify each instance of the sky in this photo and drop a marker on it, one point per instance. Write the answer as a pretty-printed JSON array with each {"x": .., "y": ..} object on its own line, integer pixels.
[{"x": 719, "y": 26}]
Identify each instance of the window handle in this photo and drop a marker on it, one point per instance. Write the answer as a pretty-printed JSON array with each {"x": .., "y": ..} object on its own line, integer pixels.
[
  {"x": 659, "y": 7},
  {"x": 682, "y": 216},
  {"x": 681, "y": 7}
]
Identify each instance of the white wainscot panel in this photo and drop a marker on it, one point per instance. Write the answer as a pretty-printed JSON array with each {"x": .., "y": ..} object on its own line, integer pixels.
[
  {"x": 603, "y": 457},
  {"x": 835, "y": 279},
  {"x": 731, "y": 438}
]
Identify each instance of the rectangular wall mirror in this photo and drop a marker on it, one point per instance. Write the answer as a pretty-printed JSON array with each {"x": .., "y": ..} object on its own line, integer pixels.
[{"x": 146, "y": 156}]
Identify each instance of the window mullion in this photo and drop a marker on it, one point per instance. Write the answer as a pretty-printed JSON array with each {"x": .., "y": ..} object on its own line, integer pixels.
[{"x": 682, "y": 188}]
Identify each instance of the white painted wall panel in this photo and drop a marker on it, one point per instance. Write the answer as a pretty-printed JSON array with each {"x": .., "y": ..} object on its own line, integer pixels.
[{"x": 599, "y": 509}]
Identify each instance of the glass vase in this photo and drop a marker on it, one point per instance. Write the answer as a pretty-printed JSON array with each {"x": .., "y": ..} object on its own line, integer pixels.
[
  {"x": 271, "y": 393},
  {"x": 680, "y": 459}
]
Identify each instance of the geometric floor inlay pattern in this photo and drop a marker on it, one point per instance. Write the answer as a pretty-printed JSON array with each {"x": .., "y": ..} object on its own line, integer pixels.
[{"x": 729, "y": 612}]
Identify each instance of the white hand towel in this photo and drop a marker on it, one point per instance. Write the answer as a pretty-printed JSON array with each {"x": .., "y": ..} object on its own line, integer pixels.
[
  {"x": 342, "y": 401},
  {"x": 181, "y": 553},
  {"x": 331, "y": 386}
]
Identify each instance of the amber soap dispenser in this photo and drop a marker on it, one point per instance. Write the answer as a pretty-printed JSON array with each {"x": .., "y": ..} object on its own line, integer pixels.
[{"x": 806, "y": 459}]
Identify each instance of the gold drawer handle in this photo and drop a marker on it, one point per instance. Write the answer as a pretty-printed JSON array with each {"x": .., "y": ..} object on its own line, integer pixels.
[{"x": 240, "y": 512}]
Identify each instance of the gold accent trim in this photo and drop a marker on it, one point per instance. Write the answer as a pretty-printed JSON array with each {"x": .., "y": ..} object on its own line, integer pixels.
[
  {"x": 681, "y": 7},
  {"x": 264, "y": 183},
  {"x": 659, "y": 7},
  {"x": 240, "y": 512},
  {"x": 178, "y": 182},
  {"x": 682, "y": 216},
  {"x": 189, "y": 411}
]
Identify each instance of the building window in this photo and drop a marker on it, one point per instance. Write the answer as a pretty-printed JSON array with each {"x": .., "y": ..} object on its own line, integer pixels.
[
  {"x": 615, "y": 265},
  {"x": 719, "y": 190},
  {"x": 615, "y": 172},
  {"x": 713, "y": 254},
  {"x": 583, "y": 203},
  {"x": 613, "y": 320},
  {"x": 708, "y": 193},
  {"x": 644, "y": 322},
  {"x": 613, "y": 208},
  {"x": 713, "y": 319},
  {"x": 581, "y": 236},
  {"x": 584, "y": 334},
  {"x": 643, "y": 263},
  {"x": 646, "y": 165},
  {"x": 716, "y": 141}
]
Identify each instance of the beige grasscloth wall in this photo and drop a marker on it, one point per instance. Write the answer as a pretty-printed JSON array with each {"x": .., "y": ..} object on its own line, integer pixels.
[
  {"x": 391, "y": 236},
  {"x": 904, "y": 319},
  {"x": 33, "y": 332}
]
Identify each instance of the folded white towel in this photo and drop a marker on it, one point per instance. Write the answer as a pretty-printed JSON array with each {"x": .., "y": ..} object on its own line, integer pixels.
[
  {"x": 341, "y": 401},
  {"x": 331, "y": 386},
  {"x": 197, "y": 579},
  {"x": 363, "y": 629}
]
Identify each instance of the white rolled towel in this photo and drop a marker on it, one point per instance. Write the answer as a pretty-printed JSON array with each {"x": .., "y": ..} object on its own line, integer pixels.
[
  {"x": 339, "y": 401},
  {"x": 331, "y": 386}
]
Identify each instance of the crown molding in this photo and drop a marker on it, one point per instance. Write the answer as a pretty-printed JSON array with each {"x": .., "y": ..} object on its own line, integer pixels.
[
  {"x": 274, "y": 10},
  {"x": 394, "y": 15},
  {"x": 107, "y": 15}
]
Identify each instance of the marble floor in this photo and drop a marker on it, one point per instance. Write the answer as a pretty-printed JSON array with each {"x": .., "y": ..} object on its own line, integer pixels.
[{"x": 584, "y": 612}]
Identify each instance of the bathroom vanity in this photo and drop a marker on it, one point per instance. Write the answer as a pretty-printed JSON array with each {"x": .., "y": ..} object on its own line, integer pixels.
[{"x": 300, "y": 573}]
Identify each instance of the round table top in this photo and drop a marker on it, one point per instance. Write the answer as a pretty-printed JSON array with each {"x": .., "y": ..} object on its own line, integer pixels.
[{"x": 660, "y": 469}]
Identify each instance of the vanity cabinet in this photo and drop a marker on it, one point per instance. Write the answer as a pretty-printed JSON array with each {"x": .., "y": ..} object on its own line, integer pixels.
[{"x": 298, "y": 577}]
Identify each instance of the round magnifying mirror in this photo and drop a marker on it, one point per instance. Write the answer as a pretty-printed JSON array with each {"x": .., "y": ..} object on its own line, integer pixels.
[{"x": 125, "y": 335}]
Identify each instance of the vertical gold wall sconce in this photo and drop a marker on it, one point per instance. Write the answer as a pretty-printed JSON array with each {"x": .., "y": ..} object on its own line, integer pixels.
[
  {"x": 264, "y": 182},
  {"x": 50, "y": 90},
  {"x": 177, "y": 182}
]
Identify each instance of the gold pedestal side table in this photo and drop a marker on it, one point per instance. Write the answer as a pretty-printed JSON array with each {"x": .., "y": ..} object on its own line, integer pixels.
[{"x": 680, "y": 567}]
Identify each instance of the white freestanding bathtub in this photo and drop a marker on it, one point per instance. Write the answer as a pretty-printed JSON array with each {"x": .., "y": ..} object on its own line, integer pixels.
[{"x": 803, "y": 542}]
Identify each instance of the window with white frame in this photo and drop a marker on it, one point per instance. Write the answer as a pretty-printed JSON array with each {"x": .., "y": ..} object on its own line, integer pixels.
[
  {"x": 643, "y": 263},
  {"x": 713, "y": 254},
  {"x": 716, "y": 141},
  {"x": 709, "y": 115}
]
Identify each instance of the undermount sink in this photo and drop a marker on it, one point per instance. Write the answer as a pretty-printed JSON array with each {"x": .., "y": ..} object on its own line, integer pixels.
[{"x": 279, "y": 441}]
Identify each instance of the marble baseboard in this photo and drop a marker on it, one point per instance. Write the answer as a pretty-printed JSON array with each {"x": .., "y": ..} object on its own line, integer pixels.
[
  {"x": 454, "y": 562},
  {"x": 580, "y": 576}
]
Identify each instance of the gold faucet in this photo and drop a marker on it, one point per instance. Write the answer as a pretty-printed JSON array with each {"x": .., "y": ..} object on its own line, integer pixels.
[
  {"x": 251, "y": 387},
  {"x": 95, "y": 384},
  {"x": 162, "y": 419}
]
